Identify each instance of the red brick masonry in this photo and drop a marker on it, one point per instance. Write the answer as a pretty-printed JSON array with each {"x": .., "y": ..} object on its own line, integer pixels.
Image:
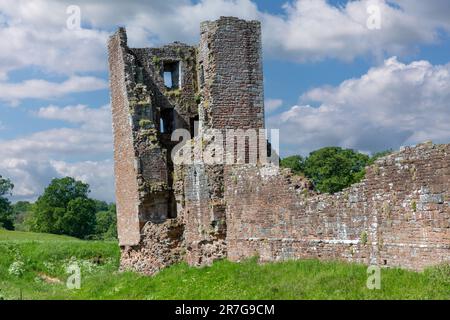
[{"x": 398, "y": 216}]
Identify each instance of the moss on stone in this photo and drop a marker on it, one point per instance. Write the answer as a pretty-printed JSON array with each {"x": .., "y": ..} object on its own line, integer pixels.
[
  {"x": 414, "y": 206},
  {"x": 364, "y": 238},
  {"x": 173, "y": 93},
  {"x": 145, "y": 123},
  {"x": 198, "y": 98},
  {"x": 156, "y": 61}
]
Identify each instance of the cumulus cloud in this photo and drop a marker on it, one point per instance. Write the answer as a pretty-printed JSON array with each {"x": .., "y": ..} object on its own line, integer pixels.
[
  {"x": 394, "y": 103},
  {"x": 31, "y": 176},
  {"x": 90, "y": 119},
  {"x": 43, "y": 89},
  {"x": 98, "y": 174},
  {"x": 32, "y": 161},
  {"x": 36, "y": 35},
  {"x": 315, "y": 30},
  {"x": 35, "y": 32},
  {"x": 271, "y": 105},
  {"x": 391, "y": 105},
  {"x": 93, "y": 136}
]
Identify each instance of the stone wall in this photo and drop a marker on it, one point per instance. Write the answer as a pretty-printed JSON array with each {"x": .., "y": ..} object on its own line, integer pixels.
[
  {"x": 145, "y": 112},
  {"x": 172, "y": 108},
  {"x": 231, "y": 90},
  {"x": 127, "y": 194},
  {"x": 230, "y": 64},
  {"x": 398, "y": 215},
  {"x": 198, "y": 212},
  {"x": 160, "y": 246}
]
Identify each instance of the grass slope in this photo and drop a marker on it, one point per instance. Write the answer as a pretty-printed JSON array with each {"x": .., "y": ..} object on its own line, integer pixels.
[{"x": 34, "y": 266}]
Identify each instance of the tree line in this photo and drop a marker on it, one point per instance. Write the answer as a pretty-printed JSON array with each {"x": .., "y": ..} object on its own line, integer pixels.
[
  {"x": 332, "y": 169},
  {"x": 64, "y": 208}
]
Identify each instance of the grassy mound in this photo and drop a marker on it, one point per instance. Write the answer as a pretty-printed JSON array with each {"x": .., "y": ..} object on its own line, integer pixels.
[{"x": 34, "y": 266}]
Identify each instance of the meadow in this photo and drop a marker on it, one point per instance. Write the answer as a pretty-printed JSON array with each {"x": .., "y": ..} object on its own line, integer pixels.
[{"x": 34, "y": 266}]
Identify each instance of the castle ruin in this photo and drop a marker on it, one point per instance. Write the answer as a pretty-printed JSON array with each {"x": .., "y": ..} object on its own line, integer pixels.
[{"x": 197, "y": 212}]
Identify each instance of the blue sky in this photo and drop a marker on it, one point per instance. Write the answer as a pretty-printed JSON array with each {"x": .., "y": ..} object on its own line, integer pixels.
[{"x": 329, "y": 78}]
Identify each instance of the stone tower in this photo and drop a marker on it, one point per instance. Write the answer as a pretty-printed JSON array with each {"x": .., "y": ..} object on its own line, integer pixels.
[
  {"x": 169, "y": 212},
  {"x": 244, "y": 206}
]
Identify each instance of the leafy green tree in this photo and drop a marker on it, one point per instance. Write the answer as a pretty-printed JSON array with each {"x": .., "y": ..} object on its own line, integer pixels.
[
  {"x": 79, "y": 218},
  {"x": 22, "y": 211},
  {"x": 106, "y": 223},
  {"x": 22, "y": 207},
  {"x": 6, "y": 212},
  {"x": 295, "y": 163},
  {"x": 64, "y": 208},
  {"x": 332, "y": 169},
  {"x": 101, "y": 205}
]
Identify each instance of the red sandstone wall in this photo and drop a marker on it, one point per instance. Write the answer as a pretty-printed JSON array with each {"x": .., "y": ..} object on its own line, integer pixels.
[
  {"x": 231, "y": 86},
  {"x": 231, "y": 58},
  {"x": 124, "y": 156},
  {"x": 398, "y": 216}
]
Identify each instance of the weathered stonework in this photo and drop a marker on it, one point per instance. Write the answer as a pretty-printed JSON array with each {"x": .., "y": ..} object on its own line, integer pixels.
[{"x": 398, "y": 216}]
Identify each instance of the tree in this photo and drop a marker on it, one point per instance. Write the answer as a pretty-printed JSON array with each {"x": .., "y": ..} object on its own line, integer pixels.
[
  {"x": 106, "y": 223},
  {"x": 332, "y": 169},
  {"x": 79, "y": 218},
  {"x": 6, "y": 212},
  {"x": 101, "y": 205},
  {"x": 295, "y": 163},
  {"x": 22, "y": 211},
  {"x": 64, "y": 208}
]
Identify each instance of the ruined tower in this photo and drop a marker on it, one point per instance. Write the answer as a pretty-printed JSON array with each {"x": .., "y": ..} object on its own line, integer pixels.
[
  {"x": 199, "y": 211},
  {"x": 169, "y": 212}
]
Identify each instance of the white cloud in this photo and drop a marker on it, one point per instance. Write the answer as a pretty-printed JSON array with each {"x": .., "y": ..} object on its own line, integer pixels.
[
  {"x": 92, "y": 137},
  {"x": 35, "y": 35},
  {"x": 271, "y": 105},
  {"x": 30, "y": 177},
  {"x": 315, "y": 29},
  {"x": 32, "y": 161},
  {"x": 92, "y": 119},
  {"x": 98, "y": 174},
  {"x": 436, "y": 12},
  {"x": 43, "y": 89},
  {"x": 394, "y": 102},
  {"x": 36, "y": 32},
  {"x": 392, "y": 105}
]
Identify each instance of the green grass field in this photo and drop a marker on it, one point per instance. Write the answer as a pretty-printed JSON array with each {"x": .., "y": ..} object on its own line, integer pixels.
[{"x": 34, "y": 266}]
